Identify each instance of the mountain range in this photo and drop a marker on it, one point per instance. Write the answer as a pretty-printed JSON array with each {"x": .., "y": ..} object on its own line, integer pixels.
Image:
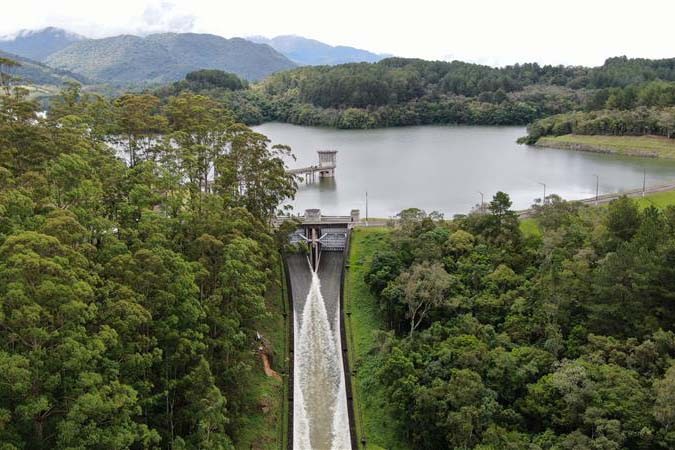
[
  {"x": 310, "y": 52},
  {"x": 38, "y": 44},
  {"x": 167, "y": 57},
  {"x": 52, "y": 55}
]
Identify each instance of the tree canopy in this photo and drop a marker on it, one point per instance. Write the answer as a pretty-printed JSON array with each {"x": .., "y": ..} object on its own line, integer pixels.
[
  {"x": 134, "y": 256},
  {"x": 563, "y": 340}
]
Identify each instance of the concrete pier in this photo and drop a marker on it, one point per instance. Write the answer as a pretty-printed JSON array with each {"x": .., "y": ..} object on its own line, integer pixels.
[{"x": 325, "y": 168}]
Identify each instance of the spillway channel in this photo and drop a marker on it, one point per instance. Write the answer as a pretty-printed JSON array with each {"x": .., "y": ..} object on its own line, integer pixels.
[{"x": 320, "y": 412}]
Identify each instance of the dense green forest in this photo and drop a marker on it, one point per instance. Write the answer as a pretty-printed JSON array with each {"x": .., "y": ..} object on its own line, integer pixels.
[
  {"x": 554, "y": 341},
  {"x": 135, "y": 253},
  {"x": 398, "y": 91},
  {"x": 632, "y": 110}
]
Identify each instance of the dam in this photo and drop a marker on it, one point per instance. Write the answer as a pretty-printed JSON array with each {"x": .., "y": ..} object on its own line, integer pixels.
[{"x": 321, "y": 404}]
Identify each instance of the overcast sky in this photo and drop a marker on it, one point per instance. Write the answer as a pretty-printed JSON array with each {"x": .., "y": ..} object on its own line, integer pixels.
[{"x": 494, "y": 32}]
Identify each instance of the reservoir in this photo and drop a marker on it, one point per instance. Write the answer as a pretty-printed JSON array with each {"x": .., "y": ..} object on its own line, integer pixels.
[{"x": 444, "y": 168}]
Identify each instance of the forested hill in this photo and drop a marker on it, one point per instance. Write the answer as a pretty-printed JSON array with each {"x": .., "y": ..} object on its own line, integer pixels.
[
  {"x": 632, "y": 110},
  {"x": 398, "y": 91},
  {"x": 36, "y": 73},
  {"x": 167, "y": 57}
]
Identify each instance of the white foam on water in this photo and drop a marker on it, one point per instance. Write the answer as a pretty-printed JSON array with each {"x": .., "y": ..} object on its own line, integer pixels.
[{"x": 320, "y": 419}]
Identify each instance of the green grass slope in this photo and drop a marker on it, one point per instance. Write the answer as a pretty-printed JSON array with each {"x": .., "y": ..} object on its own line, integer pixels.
[
  {"x": 653, "y": 146},
  {"x": 363, "y": 321}
]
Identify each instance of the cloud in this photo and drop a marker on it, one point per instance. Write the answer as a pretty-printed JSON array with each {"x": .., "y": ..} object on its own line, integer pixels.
[{"x": 165, "y": 16}]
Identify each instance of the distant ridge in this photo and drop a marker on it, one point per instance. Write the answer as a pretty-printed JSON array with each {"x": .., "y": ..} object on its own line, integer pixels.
[
  {"x": 167, "y": 57},
  {"x": 310, "y": 52},
  {"x": 38, "y": 44}
]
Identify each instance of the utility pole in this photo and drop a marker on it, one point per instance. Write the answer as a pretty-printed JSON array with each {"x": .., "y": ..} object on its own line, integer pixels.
[
  {"x": 597, "y": 188},
  {"x": 543, "y": 201},
  {"x": 366, "y": 208},
  {"x": 644, "y": 181}
]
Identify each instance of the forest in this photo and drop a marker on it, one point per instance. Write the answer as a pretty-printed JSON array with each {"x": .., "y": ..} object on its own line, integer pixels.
[
  {"x": 618, "y": 122},
  {"x": 135, "y": 252},
  {"x": 561, "y": 339},
  {"x": 399, "y": 92}
]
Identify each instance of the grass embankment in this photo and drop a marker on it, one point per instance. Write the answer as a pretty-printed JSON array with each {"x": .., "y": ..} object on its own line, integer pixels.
[
  {"x": 659, "y": 199},
  {"x": 265, "y": 417},
  {"x": 653, "y": 146},
  {"x": 530, "y": 226},
  {"x": 363, "y": 319}
]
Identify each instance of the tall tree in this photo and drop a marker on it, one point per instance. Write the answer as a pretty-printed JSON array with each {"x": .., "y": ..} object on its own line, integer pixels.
[
  {"x": 139, "y": 125},
  {"x": 424, "y": 286}
]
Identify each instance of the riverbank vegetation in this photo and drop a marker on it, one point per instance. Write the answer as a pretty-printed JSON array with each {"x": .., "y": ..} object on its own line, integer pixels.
[
  {"x": 135, "y": 255},
  {"x": 561, "y": 338}
]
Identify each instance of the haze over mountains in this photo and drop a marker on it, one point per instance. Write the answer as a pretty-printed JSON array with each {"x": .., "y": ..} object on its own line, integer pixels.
[
  {"x": 164, "y": 57},
  {"x": 310, "y": 52},
  {"x": 38, "y": 44}
]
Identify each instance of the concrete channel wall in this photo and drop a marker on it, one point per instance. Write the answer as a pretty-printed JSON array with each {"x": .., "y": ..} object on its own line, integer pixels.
[
  {"x": 290, "y": 353},
  {"x": 345, "y": 347}
]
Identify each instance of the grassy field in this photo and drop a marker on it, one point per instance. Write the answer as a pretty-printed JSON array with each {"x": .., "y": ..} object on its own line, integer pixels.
[
  {"x": 530, "y": 227},
  {"x": 373, "y": 420},
  {"x": 265, "y": 418},
  {"x": 658, "y": 146},
  {"x": 660, "y": 199}
]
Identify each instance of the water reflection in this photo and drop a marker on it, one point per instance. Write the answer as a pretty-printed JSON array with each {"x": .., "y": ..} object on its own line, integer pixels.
[
  {"x": 443, "y": 167},
  {"x": 325, "y": 184}
]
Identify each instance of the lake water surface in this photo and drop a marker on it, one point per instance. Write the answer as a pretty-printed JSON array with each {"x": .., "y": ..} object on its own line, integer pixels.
[{"x": 444, "y": 168}]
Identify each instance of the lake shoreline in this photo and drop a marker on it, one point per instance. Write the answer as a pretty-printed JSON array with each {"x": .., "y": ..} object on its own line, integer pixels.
[{"x": 639, "y": 146}]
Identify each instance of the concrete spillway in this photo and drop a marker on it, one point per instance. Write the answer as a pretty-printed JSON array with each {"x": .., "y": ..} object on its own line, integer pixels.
[{"x": 320, "y": 414}]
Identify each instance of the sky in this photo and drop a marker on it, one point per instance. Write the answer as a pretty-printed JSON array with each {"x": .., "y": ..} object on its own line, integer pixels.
[{"x": 494, "y": 32}]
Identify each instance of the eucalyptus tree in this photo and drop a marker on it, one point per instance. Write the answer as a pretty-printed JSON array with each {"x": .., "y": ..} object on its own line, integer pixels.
[
  {"x": 201, "y": 133},
  {"x": 424, "y": 286},
  {"x": 130, "y": 290},
  {"x": 6, "y": 78},
  {"x": 138, "y": 125}
]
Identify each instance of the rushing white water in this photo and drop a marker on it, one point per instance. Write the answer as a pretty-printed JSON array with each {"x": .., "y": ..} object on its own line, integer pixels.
[{"x": 320, "y": 402}]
